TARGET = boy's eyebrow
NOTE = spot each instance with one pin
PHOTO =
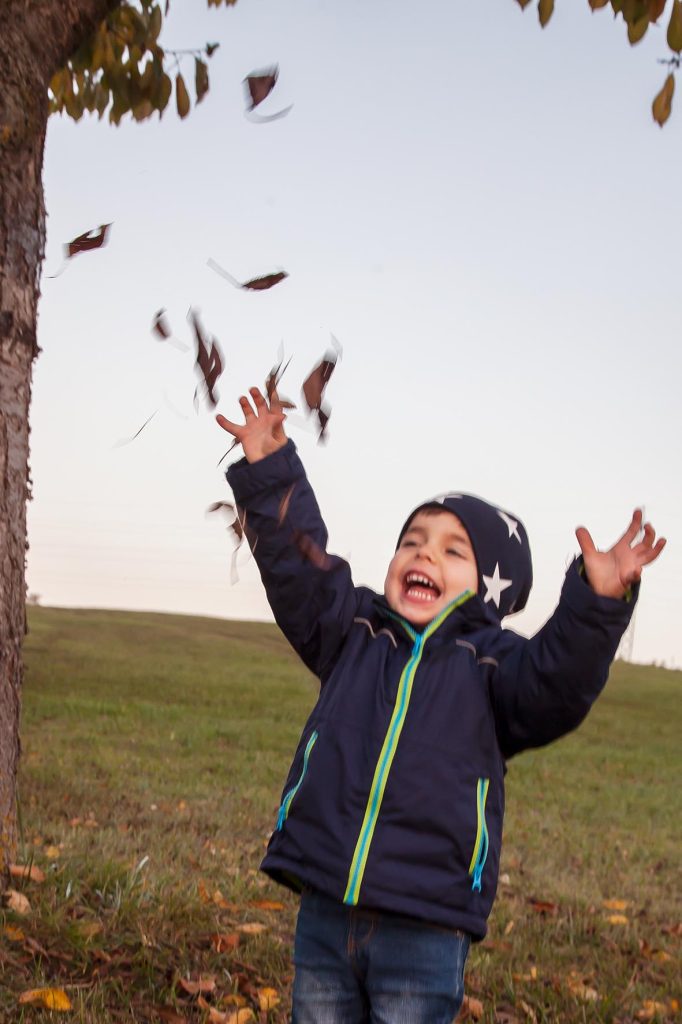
(459, 535)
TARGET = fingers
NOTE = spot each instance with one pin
(634, 527)
(228, 425)
(585, 541)
(246, 408)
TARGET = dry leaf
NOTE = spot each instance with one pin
(204, 983)
(266, 905)
(13, 933)
(48, 998)
(169, 1015)
(531, 975)
(651, 1009)
(31, 871)
(209, 357)
(615, 904)
(224, 942)
(577, 987)
(528, 1010)
(314, 387)
(472, 1009)
(543, 906)
(256, 284)
(17, 902)
(52, 852)
(252, 928)
(617, 919)
(93, 239)
(88, 929)
(240, 1016)
(509, 927)
(267, 998)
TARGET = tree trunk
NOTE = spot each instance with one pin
(36, 40)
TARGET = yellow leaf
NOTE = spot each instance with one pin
(662, 105)
(267, 905)
(17, 902)
(267, 998)
(615, 904)
(617, 919)
(578, 988)
(545, 11)
(52, 852)
(509, 927)
(637, 30)
(252, 928)
(203, 984)
(13, 933)
(651, 1009)
(31, 871)
(674, 35)
(242, 1016)
(49, 998)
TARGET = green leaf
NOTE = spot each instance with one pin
(545, 11)
(181, 96)
(662, 105)
(675, 27)
(200, 78)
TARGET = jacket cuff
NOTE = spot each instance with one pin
(585, 602)
(272, 472)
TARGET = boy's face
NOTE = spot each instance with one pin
(434, 563)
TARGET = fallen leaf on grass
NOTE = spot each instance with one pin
(225, 942)
(615, 904)
(509, 927)
(659, 955)
(472, 1009)
(52, 852)
(528, 1010)
(617, 919)
(17, 902)
(13, 934)
(266, 905)
(531, 975)
(240, 1016)
(88, 929)
(651, 1009)
(252, 928)
(201, 985)
(267, 999)
(49, 998)
(169, 1015)
(543, 906)
(31, 871)
(578, 988)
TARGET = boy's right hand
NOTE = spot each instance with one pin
(263, 430)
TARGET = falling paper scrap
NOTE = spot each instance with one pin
(209, 358)
(258, 86)
(257, 284)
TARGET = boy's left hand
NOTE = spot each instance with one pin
(611, 572)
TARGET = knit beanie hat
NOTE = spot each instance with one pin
(501, 549)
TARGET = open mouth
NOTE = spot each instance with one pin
(418, 587)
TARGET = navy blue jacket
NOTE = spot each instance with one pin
(395, 796)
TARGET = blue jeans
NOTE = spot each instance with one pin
(363, 967)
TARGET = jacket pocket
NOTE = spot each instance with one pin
(288, 797)
(480, 854)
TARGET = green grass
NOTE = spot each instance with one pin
(155, 748)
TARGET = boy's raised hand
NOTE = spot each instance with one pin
(262, 432)
(611, 572)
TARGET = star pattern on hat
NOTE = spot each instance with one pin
(511, 524)
(495, 584)
(442, 498)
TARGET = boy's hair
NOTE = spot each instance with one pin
(500, 544)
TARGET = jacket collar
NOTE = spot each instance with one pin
(463, 615)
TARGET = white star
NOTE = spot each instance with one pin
(495, 585)
(440, 498)
(511, 525)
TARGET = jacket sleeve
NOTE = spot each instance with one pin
(545, 686)
(311, 593)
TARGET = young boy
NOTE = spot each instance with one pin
(391, 818)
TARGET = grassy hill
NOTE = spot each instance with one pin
(155, 748)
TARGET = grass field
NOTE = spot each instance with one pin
(154, 751)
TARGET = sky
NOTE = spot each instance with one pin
(485, 216)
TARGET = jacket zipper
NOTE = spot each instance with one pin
(390, 745)
(480, 854)
(289, 796)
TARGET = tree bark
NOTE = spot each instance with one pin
(37, 38)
